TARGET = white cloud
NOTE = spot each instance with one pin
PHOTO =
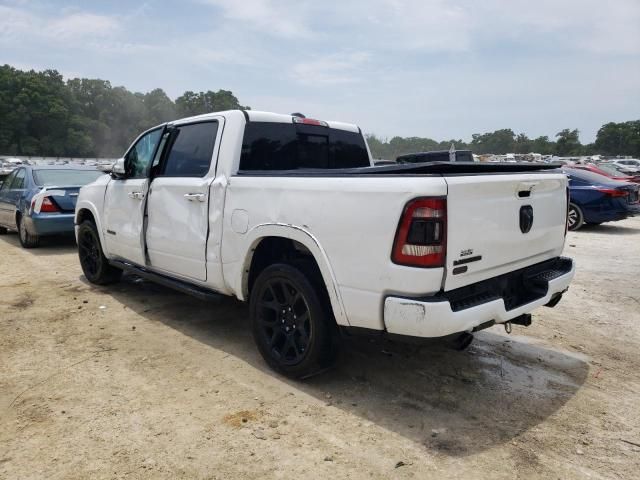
(274, 17)
(19, 25)
(593, 25)
(335, 69)
(81, 25)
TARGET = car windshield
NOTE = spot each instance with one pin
(62, 177)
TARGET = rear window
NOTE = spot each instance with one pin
(587, 176)
(288, 146)
(64, 177)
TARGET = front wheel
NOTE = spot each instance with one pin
(292, 326)
(575, 217)
(27, 240)
(95, 265)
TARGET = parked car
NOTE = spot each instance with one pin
(39, 201)
(290, 214)
(617, 171)
(630, 164)
(597, 199)
(608, 170)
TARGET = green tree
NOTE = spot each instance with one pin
(191, 103)
(498, 142)
(568, 143)
(619, 139)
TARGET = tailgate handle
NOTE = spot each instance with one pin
(525, 189)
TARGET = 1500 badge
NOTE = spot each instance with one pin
(467, 252)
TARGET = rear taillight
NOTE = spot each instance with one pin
(611, 192)
(421, 236)
(47, 206)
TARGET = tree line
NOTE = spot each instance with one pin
(41, 114)
(612, 139)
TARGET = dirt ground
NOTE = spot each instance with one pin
(137, 381)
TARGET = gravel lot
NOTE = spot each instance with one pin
(138, 381)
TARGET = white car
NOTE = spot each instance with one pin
(289, 214)
(629, 164)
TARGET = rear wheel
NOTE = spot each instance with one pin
(95, 265)
(3, 231)
(575, 217)
(292, 326)
(27, 240)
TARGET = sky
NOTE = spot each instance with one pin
(428, 68)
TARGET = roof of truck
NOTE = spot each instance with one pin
(258, 116)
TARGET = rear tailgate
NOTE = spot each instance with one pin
(488, 219)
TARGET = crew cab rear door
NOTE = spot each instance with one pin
(498, 223)
(178, 202)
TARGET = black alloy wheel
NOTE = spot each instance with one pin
(88, 252)
(292, 322)
(284, 319)
(95, 265)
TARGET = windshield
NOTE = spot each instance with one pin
(65, 177)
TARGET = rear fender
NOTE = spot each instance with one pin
(305, 238)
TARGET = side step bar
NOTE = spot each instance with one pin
(179, 285)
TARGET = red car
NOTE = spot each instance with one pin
(609, 171)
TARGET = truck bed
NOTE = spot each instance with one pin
(431, 168)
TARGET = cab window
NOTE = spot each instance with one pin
(6, 185)
(191, 149)
(18, 181)
(138, 159)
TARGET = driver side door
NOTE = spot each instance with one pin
(125, 199)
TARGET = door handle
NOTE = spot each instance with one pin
(136, 195)
(194, 196)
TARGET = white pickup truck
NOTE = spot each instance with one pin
(290, 214)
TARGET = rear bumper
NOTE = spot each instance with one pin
(499, 299)
(50, 223)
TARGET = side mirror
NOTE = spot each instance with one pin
(118, 170)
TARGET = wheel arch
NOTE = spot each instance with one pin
(302, 242)
(88, 211)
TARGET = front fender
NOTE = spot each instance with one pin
(88, 205)
(304, 237)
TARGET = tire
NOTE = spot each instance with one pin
(95, 266)
(292, 322)
(576, 217)
(27, 240)
(3, 231)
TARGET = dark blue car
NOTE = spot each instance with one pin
(40, 200)
(597, 199)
